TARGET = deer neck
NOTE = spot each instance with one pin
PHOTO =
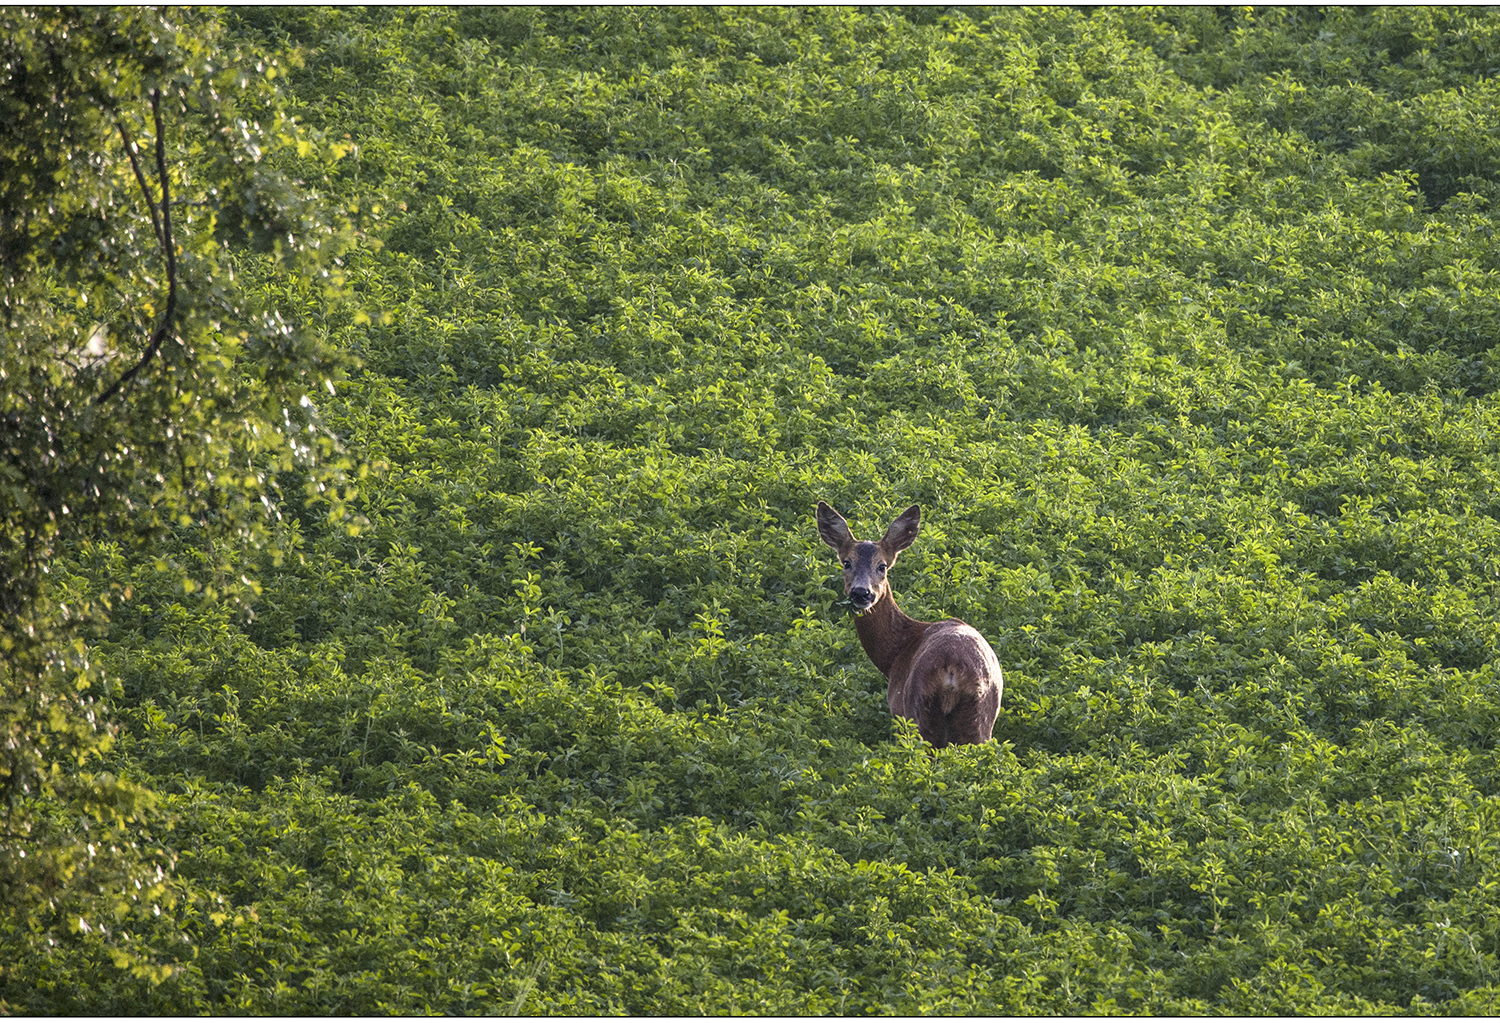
(886, 632)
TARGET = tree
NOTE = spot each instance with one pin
(156, 245)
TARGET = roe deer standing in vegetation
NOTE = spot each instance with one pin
(942, 675)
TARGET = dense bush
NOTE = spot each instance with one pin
(1179, 324)
(157, 207)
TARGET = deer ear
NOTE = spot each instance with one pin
(903, 531)
(833, 529)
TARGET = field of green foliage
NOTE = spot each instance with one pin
(1183, 327)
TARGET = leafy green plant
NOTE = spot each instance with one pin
(157, 370)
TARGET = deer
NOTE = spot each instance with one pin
(942, 675)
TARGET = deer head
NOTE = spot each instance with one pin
(866, 563)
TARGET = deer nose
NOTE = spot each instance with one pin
(861, 596)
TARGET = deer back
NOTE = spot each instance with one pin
(942, 675)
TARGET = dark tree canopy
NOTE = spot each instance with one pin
(150, 381)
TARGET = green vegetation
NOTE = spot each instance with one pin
(1181, 326)
(152, 382)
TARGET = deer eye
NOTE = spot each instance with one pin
(846, 564)
(882, 570)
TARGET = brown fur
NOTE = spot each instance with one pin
(942, 675)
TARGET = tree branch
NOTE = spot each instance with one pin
(140, 178)
(165, 237)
